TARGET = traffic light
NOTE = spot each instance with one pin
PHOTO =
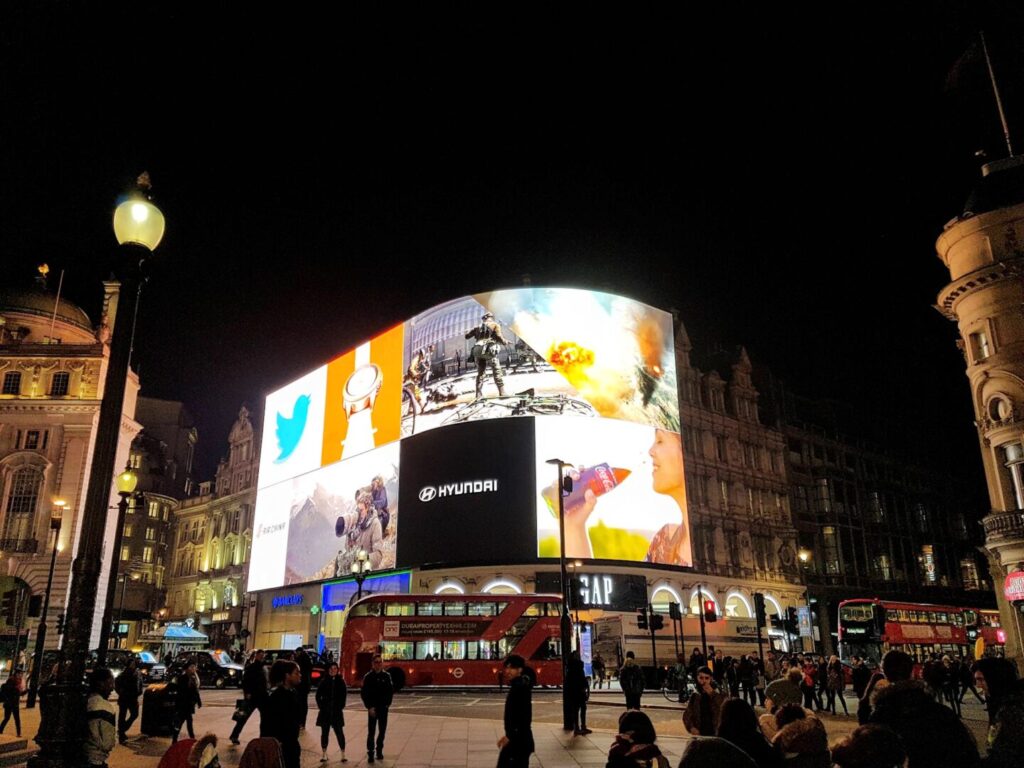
(791, 624)
(641, 619)
(657, 621)
(60, 623)
(759, 609)
(7, 605)
(710, 612)
(673, 612)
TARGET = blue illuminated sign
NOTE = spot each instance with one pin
(336, 595)
(287, 600)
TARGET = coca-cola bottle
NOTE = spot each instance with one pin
(599, 478)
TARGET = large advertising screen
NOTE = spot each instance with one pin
(595, 373)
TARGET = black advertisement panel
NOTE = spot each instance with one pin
(607, 591)
(469, 492)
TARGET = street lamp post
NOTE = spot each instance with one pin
(361, 569)
(134, 576)
(126, 483)
(139, 227)
(574, 599)
(568, 715)
(37, 659)
(804, 556)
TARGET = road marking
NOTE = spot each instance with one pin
(471, 703)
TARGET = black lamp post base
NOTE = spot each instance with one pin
(62, 727)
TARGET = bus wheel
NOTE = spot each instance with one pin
(397, 677)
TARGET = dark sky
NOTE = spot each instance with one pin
(779, 176)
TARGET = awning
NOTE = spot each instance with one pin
(175, 634)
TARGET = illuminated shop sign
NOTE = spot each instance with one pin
(607, 591)
(286, 601)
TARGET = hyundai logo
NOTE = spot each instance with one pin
(427, 493)
(430, 492)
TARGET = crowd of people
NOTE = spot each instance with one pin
(904, 720)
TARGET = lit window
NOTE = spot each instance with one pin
(969, 574)
(12, 383)
(150, 533)
(154, 509)
(126, 554)
(147, 554)
(32, 440)
(127, 530)
(927, 560)
(980, 348)
(21, 503)
(59, 384)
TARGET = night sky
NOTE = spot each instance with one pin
(779, 176)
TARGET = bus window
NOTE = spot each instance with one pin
(957, 619)
(399, 609)
(892, 615)
(454, 649)
(367, 609)
(535, 609)
(502, 606)
(554, 609)
(856, 612)
(425, 650)
(481, 609)
(429, 609)
(933, 618)
(454, 609)
(942, 618)
(970, 617)
(481, 649)
(396, 651)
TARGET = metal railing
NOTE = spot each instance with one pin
(1004, 524)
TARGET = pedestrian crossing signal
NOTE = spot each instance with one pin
(710, 611)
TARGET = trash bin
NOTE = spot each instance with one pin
(158, 702)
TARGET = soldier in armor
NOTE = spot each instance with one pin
(488, 343)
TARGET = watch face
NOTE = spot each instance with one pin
(364, 383)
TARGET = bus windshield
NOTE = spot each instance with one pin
(857, 612)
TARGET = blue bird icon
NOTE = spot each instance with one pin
(289, 431)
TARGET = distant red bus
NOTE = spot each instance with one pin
(869, 627)
(452, 639)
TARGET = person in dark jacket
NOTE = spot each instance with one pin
(631, 680)
(279, 718)
(859, 676)
(254, 690)
(704, 710)
(577, 687)
(869, 746)
(186, 700)
(634, 745)
(306, 669)
(517, 744)
(11, 692)
(1004, 696)
(738, 724)
(331, 695)
(931, 733)
(127, 687)
(377, 692)
(801, 741)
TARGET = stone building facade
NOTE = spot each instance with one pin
(983, 248)
(212, 540)
(53, 364)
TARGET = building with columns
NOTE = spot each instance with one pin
(53, 365)
(211, 542)
(983, 248)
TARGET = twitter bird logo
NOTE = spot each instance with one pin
(289, 431)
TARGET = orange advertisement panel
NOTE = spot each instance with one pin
(364, 395)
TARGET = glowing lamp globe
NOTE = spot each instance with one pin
(126, 482)
(138, 221)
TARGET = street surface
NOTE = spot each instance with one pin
(459, 730)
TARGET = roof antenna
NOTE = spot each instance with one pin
(995, 90)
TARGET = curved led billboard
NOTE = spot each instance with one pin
(452, 417)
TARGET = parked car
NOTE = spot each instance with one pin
(215, 668)
(151, 668)
(319, 668)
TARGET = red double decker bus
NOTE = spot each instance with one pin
(452, 639)
(870, 627)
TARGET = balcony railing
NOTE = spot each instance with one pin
(1004, 525)
(19, 546)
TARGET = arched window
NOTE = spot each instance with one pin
(736, 606)
(663, 595)
(696, 607)
(20, 510)
(502, 587)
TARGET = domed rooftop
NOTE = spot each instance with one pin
(1001, 186)
(36, 301)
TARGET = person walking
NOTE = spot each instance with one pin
(101, 719)
(631, 680)
(577, 688)
(254, 691)
(597, 665)
(517, 744)
(331, 695)
(128, 688)
(859, 676)
(746, 676)
(836, 685)
(186, 701)
(11, 692)
(279, 717)
(306, 668)
(703, 711)
(377, 692)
